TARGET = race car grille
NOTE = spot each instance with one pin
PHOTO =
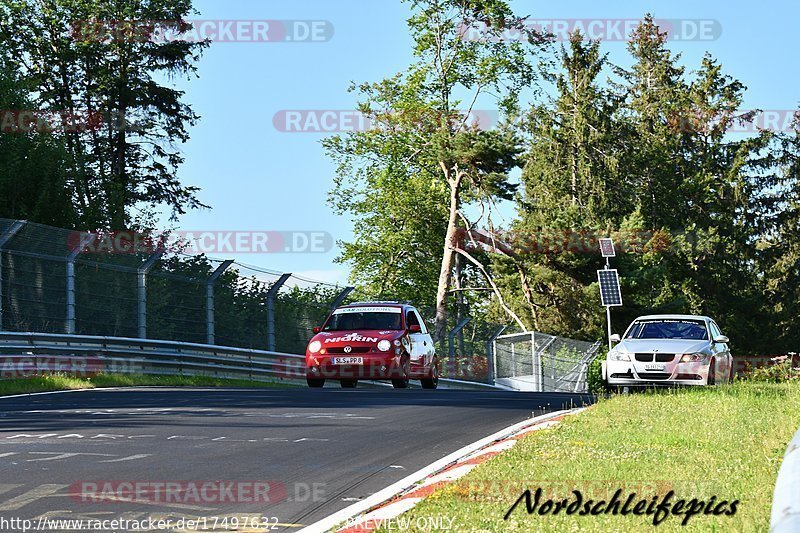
(644, 357)
(664, 357)
(654, 375)
(355, 349)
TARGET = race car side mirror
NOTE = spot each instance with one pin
(615, 337)
(415, 328)
(316, 329)
(721, 339)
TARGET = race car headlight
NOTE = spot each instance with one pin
(692, 357)
(384, 345)
(618, 356)
(314, 346)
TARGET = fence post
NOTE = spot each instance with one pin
(212, 279)
(271, 293)
(341, 296)
(491, 347)
(73, 254)
(451, 347)
(141, 284)
(4, 238)
(513, 361)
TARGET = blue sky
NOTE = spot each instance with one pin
(258, 178)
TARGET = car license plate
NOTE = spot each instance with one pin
(654, 367)
(348, 360)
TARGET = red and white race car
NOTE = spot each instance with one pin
(375, 341)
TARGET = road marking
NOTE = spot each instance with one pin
(305, 439)
(7, 454)
(65, 455)
(129, 458)
(31, 496)
(91, 496)
(5, 488)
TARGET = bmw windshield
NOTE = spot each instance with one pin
(668, 329)
(347, 320)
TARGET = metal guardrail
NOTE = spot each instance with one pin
(786, 499)
(24, 354)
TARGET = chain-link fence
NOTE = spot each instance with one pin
(538, 362)
(51, 281)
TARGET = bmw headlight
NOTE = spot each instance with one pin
(618, 356)
(314, 346)
(384, 345)
(692, 357)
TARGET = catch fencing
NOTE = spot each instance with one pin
(534, 361)
(51, 283)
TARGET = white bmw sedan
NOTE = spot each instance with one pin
(669, 350)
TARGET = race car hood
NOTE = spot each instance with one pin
(359, 337)
(662, 346)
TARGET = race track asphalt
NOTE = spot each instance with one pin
(311, 452)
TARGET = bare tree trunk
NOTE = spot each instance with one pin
(446, 271)
(458, 285)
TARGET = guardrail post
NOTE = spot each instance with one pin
(491, 346)
(4, 238)
(212, 279)
(451, 347)
(341, 296)
(73, 254)
(271, 294)
(141, 285)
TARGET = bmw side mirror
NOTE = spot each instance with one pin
(721, 339)
(316, 329)
(615, 337)
(415, 328)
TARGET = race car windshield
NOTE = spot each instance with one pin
(668, 329)
(370, 320)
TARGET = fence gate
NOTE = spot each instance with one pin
(533, 361)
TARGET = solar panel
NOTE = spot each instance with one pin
(610, 293)
(607, 248)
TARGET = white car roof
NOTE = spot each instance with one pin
(675, 317)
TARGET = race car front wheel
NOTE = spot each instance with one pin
(315, 383)
(402, 381)
(432, 381)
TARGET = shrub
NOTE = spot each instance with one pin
(594, 376)
(781, 370)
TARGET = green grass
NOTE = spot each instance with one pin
(55, 382)
(726, 442)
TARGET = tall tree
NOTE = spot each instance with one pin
(90, 58)
(423, 127)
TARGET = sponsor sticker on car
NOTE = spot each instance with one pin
(364, 309)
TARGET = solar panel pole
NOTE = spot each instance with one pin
(607, 251)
